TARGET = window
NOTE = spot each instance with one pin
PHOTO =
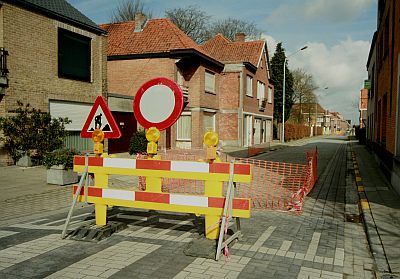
(208, 122)
(210, 82)
(260, 90)
(184, 127)
(269, 95)
(249, 86)
(74, 55)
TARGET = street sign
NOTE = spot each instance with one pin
(367, 84)
(101, 118)
(158, 103)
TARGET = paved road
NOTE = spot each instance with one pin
(319, 243)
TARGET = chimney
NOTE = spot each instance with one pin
(240, 37)
(140, 21)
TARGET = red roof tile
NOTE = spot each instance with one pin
(157, 36)
(226, 51)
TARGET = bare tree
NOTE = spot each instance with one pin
(229, 27)
(191, 20)
(303, 89)
(127, 9)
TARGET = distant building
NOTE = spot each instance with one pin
(362, 107)
(52, 57)
(313, 115)
(247, 93)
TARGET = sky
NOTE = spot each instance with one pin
(337, 34)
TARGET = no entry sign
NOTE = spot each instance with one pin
(158, 103)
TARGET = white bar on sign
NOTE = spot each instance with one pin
(119, 163)
(119, 194)
(189, 166)
(188, 200)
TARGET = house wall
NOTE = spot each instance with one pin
(251, 103)
(31, 40)
(121, 81)
(229, 108)
(371, 67)
(233, 106)
(386, 93)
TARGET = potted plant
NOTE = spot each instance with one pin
(59, 165)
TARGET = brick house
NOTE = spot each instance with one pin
(245, 116)
(383, 71)
(312, 115)
(362, 107)
(371, 68)
(56, 61)
(144, 49)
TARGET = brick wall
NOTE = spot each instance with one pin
(31, 40)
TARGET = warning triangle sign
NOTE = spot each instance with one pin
(100, 117)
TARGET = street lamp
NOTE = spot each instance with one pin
(284, 92)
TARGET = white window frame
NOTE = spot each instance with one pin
(249, 86)
(184, 114)
(260, 90)
(212, 115)
(269, 95)
(209, 82)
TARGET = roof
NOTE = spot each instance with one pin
(227, 51)
(60, 10)
(159, 36)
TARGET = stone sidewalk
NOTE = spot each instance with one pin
(380, 205)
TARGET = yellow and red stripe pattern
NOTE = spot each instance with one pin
(165, 201)
(163, 168)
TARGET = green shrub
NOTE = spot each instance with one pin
(31, 131)
(138, 143)
(64, 156)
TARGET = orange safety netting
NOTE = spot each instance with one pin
(274, 185)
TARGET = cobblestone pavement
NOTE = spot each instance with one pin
(319, 243)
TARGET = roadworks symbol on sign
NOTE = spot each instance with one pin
(101, 118)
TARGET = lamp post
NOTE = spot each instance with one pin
(284, 92)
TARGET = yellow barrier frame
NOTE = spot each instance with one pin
(213, 187)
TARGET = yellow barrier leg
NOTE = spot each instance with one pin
(101, 181)
(101, 214)
(212, 226)
(153, 184)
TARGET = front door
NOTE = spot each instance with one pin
(257, 131)
(127, 125)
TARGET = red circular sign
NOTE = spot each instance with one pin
(158, 103)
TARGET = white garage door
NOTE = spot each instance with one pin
(76, 112)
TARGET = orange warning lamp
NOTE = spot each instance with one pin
(98, 137)
(152, 135)
(211, 140)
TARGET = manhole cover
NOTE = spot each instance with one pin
(390, 276)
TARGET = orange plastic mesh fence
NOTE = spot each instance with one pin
(274, 185)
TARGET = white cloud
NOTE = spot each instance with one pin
(341, 68)
(326, 10)
(271, 43)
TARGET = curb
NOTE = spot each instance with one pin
(373, 236)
